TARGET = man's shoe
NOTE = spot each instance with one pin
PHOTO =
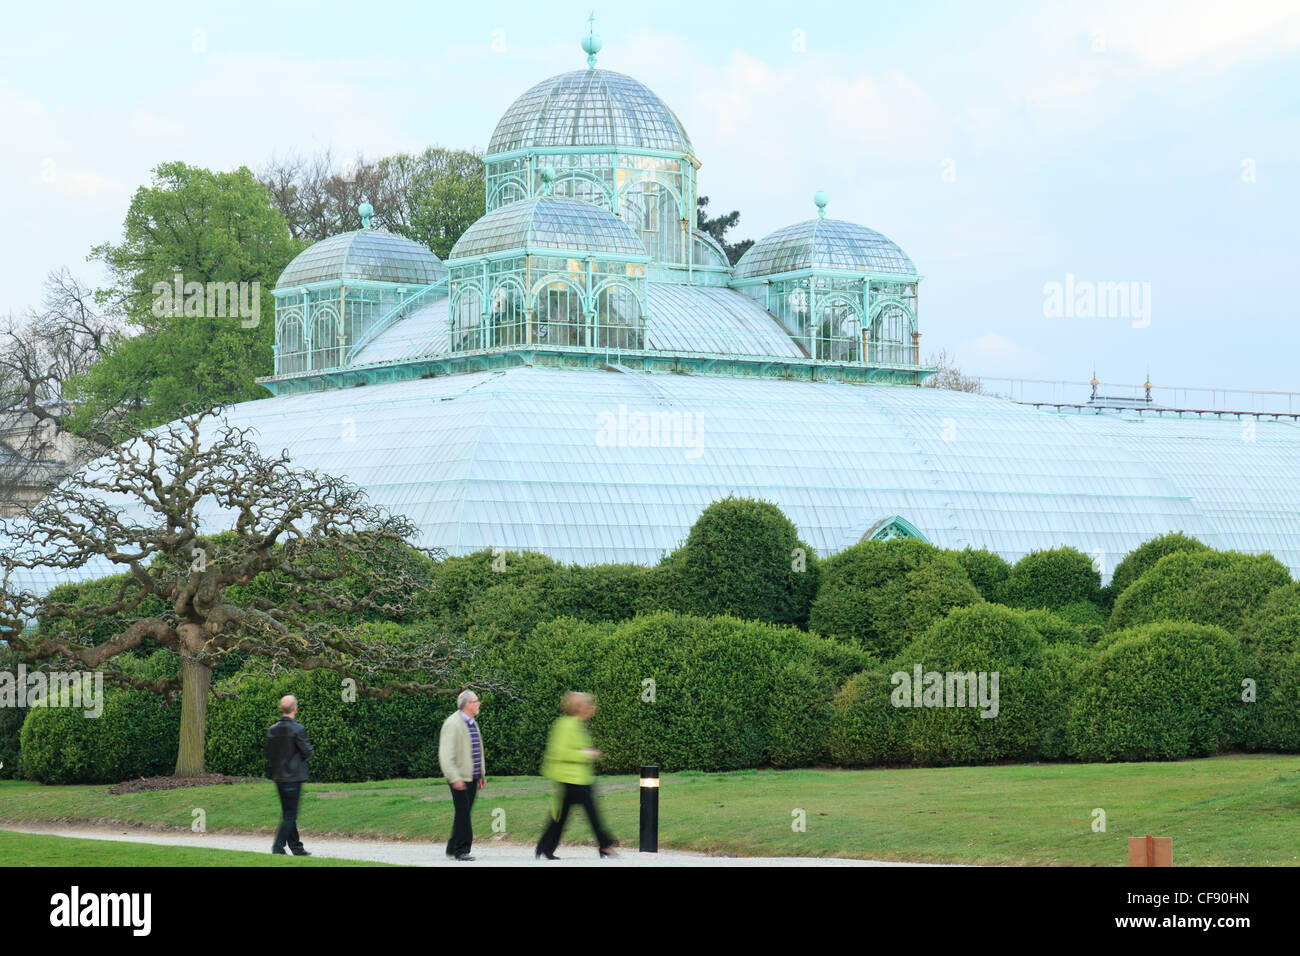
(464, 858)
(278, 849)
(301, 852)
(537, 855)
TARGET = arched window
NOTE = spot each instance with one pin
(465, 312)
(561, 313)
(618, 317)
(326, 338)
(891, 336)
(291, 343)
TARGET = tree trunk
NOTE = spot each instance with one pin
(196, 679)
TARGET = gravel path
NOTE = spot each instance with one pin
(487, 852)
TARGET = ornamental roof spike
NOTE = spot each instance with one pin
(591, 42)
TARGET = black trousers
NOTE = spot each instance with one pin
(574, 794)
(290, 793)
(462, 833)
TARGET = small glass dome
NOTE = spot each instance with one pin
(824, 244)
(367, 254)
(590, 108)
(548, 222)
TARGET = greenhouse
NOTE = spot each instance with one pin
(587, 372)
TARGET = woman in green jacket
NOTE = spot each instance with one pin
(568, 761)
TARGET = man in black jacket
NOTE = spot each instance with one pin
(287, 748)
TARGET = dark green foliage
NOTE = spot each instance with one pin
(1270, 639)
(1055, 628)
(1206, 587)
(1056, 682)
(882, 594)
(11, 719)
(744, 558)
(866, 729)
(1160, 692)
(719, 702)
(135, 736)
(986, 570)
(505, 595)
(988, 639)
(1051, 579)
(1144, 557)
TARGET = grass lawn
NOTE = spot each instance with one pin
(25, 849)
(1237, 809)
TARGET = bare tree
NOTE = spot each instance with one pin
(39, 355)
(950, 376)
(320, 553)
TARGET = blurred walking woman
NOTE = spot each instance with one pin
(569, 762)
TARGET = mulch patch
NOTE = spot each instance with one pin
(147, 784)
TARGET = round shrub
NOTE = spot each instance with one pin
(1160, 692)
(954, 716)
(1206, 587)
(136, 735)
(743, 558)
(800, 712)
(986, 570)
(514, 607)
(1144, 557)
(1051, 579)
(865, 729)
(882, 594)
(697, 693)
(1270, 639)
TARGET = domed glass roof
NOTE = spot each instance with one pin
(364, 254)
(590, 108)
(548, 222)
(823, 244)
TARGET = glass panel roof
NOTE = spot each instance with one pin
(823, 244)
(551, 222)
(364, 254)
(519, 459)
(589, 108)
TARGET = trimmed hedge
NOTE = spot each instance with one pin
(1205, 587)
(1270, 639)
(1144, 557)
(865, 729)
(983, 639)
(1052, 579)
(135, 736)
(743, 558)
(721, 697)
(11, 720)
(1160, 692)
(986, 570)
(883, 594)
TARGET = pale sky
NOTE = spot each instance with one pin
(1005, 147)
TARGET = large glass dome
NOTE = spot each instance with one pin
(548, 222)
(590, 108)
(824, 244)
(366, 254)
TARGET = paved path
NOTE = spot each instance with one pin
(488, 852)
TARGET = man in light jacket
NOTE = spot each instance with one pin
(460, 754)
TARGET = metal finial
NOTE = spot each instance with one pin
(366, 211)
(820, 198)
(591, 42)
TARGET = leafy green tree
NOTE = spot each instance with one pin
(431, 197)
(205, 227)
(719, 226)
(1144, 557)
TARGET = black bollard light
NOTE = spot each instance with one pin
(649, 809)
